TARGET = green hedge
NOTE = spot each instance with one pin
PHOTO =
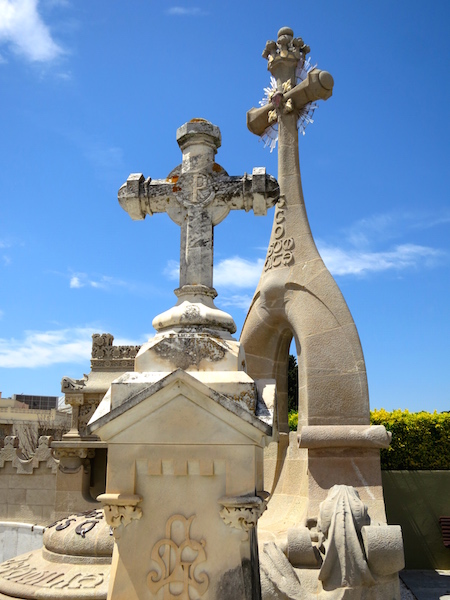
(420, 441)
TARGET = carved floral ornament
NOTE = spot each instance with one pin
(243, 512)
(120, 510)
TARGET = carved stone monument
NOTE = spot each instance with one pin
(185, 442)
(186, 421)
(327, 480)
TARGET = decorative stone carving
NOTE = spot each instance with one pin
(341, 518)
(107, 356)
(177, 562)
(22, 572)
(197, 195)
(12, 453)
(242, 512)
(72, 459)
(120, 510)
(72, 385)
(279, 581)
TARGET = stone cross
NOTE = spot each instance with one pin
(289, 98)
(197, 195)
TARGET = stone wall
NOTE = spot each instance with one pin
(27, 486)
(415, 500)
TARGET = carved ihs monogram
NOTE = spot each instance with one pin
(178, 557)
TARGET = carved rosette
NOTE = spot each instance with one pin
(120, 510)
(243, 512)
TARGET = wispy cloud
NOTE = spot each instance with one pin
(356, 262)
(103, 282)
(358, 251)
(45, 348)
(183, 11)
(23, 30)
(241, 301)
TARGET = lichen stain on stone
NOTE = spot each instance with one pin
(187, 351)
(245, 399)
(233, 583)
(217, 168)
(198, 121)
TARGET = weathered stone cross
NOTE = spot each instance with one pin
(197, 195)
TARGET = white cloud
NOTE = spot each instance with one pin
(238, 272)
(234, 272)
(75, 282)
(23, 29)
(357, 262)
(45, 348)
(181, 11)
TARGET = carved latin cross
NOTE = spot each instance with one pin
(198, 195)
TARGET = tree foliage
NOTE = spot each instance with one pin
(292, 384)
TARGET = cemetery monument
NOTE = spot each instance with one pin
(207, 495)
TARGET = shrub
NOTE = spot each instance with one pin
(420, 441)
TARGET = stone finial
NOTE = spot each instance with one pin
(285, 49)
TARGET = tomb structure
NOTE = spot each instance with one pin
(185, 442)
(331, 467)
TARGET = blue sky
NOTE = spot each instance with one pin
(91, 91)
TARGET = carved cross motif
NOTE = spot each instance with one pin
(198, 195)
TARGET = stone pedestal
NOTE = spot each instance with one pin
(184, 488)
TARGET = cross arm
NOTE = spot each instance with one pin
(318, 85)
(140, 197)
(258, 191)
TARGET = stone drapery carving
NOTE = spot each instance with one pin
(341, 518)
(178, 559)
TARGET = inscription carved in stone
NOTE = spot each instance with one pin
(21, 571)
(178, 557)
(280, 253)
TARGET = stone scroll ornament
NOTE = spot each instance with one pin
(178, 562)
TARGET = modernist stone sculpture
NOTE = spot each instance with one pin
(297, 298)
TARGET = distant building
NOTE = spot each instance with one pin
(29, 417)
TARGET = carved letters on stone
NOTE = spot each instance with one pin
(21, 571)
(178, 557)
(279, 253)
